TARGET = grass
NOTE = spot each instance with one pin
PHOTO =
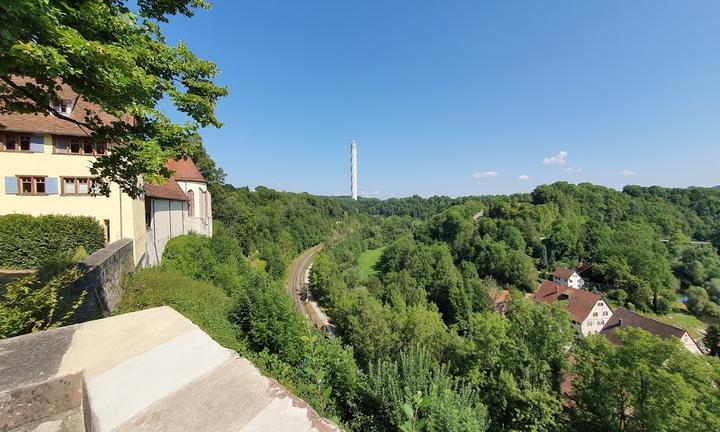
(367, 261)
(202, 303)
(690, 323)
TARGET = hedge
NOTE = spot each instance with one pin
(27, 241)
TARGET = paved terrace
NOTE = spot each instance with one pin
(149, 370)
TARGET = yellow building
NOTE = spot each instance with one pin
(45, 168)
(45, 164)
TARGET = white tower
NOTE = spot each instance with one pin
(353, 170)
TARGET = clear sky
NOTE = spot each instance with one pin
(463, 97)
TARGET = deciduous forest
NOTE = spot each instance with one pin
(421, 345)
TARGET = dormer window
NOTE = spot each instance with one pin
(64, 107)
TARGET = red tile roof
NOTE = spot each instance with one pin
(623, 318)
(583, 266)
(563, 273)
(184, 169)
(49, 124)
(501, 296)
(169, 191)
(579, 303)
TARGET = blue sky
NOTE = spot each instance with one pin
(463, 97)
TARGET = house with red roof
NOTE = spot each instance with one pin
(568, 277)
(588, 312)
(45, 164)
(623, 318)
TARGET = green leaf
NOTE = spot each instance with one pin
(408, 410)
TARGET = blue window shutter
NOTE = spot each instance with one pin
(51, 185)
(11, 185)
(37, 144)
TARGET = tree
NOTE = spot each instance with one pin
(697, 299)
(647, 383)
(119, 60)
(712, 340)
(448, 405)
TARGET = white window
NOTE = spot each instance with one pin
(595, 314)
(600, 303)
(76, 185)
(83, 187)
(605, 313)
(69, 186)
(64, 107)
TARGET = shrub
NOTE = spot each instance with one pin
(27, 241)
(201, 302)
(30, 305)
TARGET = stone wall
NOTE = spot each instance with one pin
(103, 275)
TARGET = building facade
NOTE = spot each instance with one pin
(568, 277)
(180, 206)
(45, 164)
(588, 312)
(45, 168)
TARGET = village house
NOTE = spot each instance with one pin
(45, 164)
(623, 318)
(568, 277)
(588, 312)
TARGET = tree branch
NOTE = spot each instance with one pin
(52, 110)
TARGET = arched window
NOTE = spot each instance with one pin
(206, 213)
(191, 208)
(201, 200)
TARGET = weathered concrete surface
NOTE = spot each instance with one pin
(31, 406)
(155, 370)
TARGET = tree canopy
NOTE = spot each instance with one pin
(117, 58)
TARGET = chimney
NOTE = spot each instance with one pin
(620, 322)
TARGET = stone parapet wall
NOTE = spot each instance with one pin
(104, 273)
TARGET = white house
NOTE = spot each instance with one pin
(568, 277)
(180, 206)
(589, 313)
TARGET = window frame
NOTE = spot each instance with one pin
(18, 145)
(148, 214)
(191, 199)
(33, 185)
(82, 142)
(90, 182)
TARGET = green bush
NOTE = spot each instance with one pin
(28, 305)
(27, 241)
(201, 302)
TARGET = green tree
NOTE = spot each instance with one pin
(646, 384)
(115, 58)
(712, 340)
(697, 299)
(447, 405)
